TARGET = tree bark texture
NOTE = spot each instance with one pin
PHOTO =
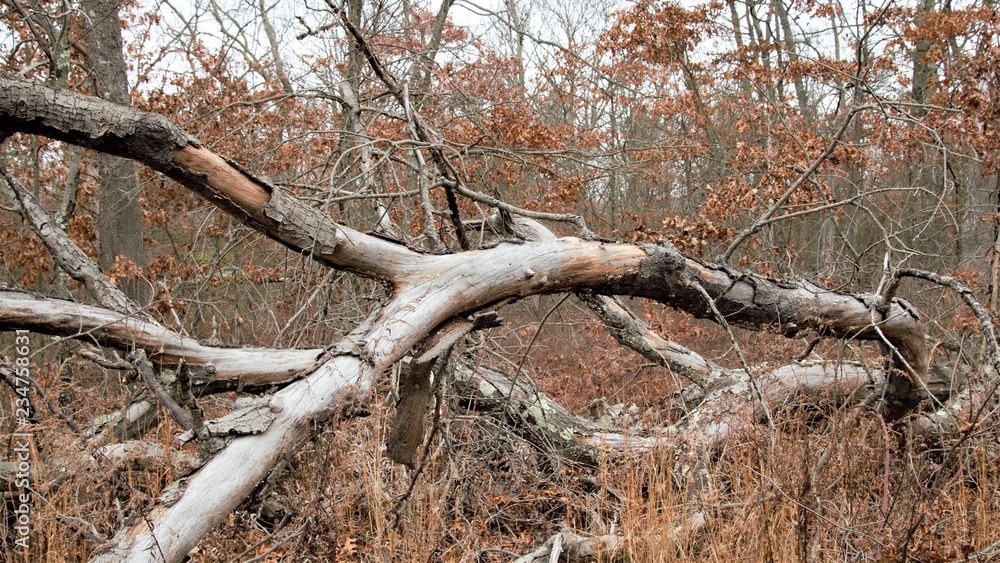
(121, 222)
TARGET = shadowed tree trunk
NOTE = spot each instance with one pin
(923, 69)
(121, 224)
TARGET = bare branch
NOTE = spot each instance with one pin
(154, 141)
(632, 332)
(10, 377)
(66, 253)
(138, 359)
(721, 319)
(780, 202)
(415, 386)
(966, 294)
(210, 365)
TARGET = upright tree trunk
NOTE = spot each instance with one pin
(120, 230)
(433, 45)
(995, 257)
(517, 20)
(801, 94)
(923, 70)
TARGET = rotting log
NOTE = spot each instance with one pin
(545, 423)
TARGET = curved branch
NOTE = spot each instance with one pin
(93, 123)
(182, 417)
(963, 291)
(210, 365)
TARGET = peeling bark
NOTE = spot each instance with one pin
(152, 140)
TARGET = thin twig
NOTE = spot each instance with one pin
(10, 377)
(445, 168)
(760, 221)
(416, 123)
(524, 357)
(100, 360)
(264, 556)
(77, 524)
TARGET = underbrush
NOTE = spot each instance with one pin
(825, 486)
(841, 488)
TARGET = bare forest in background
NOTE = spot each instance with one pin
(548, 279)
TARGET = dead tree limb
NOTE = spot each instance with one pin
(65, 252)
(210, 366)
(415, 387)
(426, 291)
(574, 548)
(145, 371)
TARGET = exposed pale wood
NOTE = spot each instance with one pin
(131, 422)
(207, 497)
(223, 177)
(152, 140)
(657, 272)
(729, 407)
(572, 547)
(448, 286)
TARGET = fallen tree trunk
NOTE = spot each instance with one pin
(730, 406)
(426, 291)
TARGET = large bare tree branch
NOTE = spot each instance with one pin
(209, 365)
(65, 252)
(148, 138)
(428, 291)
